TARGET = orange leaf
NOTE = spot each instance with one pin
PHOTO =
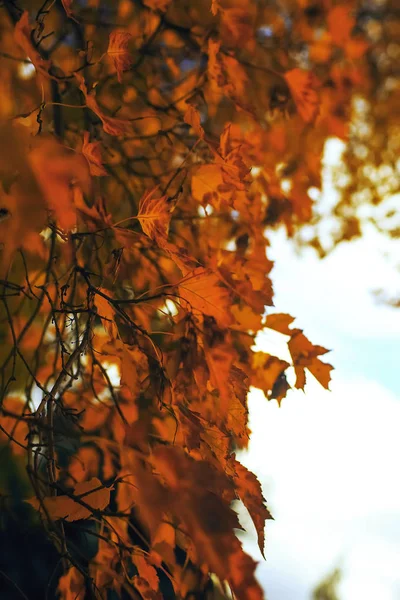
(302, 86)
(250, 493)
(280, 322)
(304, 354)
(119, 52)
(154, 216)
(22, 36)
(199, 501)
(71, 585)
(267, 372)
(92, 152)
(192, 118)
(106, 313)
(111, 125)
(146, 571)
(201, 292)
(340, 23)
(64, 507)
(57, 170)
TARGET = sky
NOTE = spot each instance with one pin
(328, 461)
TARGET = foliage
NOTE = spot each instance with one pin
(146, 147)
(327, 589)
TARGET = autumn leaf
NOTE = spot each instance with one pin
(192, 118)
(22, 205)
(106, 312)
(280, 322)
(303, 85)
(111, 125)
(268, 370)
(201, 292)
(119, 52)
(304, 355)
(154, 216)
(250, 493)
(146, 571)
(340, 23)
(208, 519)
(71, 585)
(89, 496)
(22, 36)
(57, 171)
(92, 152)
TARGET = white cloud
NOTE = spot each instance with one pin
(329, 465)
(335, 294)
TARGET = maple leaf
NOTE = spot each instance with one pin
(89, 496)
(268, 370)
(304, 355)
(280, 322)
(209, 520)
(92, 152)
(154, 216)
(201, 292)
(302, 85)
(111, 125)
(250, 493)
(119, 52)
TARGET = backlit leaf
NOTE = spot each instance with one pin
(201, 292)
(119, 51)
